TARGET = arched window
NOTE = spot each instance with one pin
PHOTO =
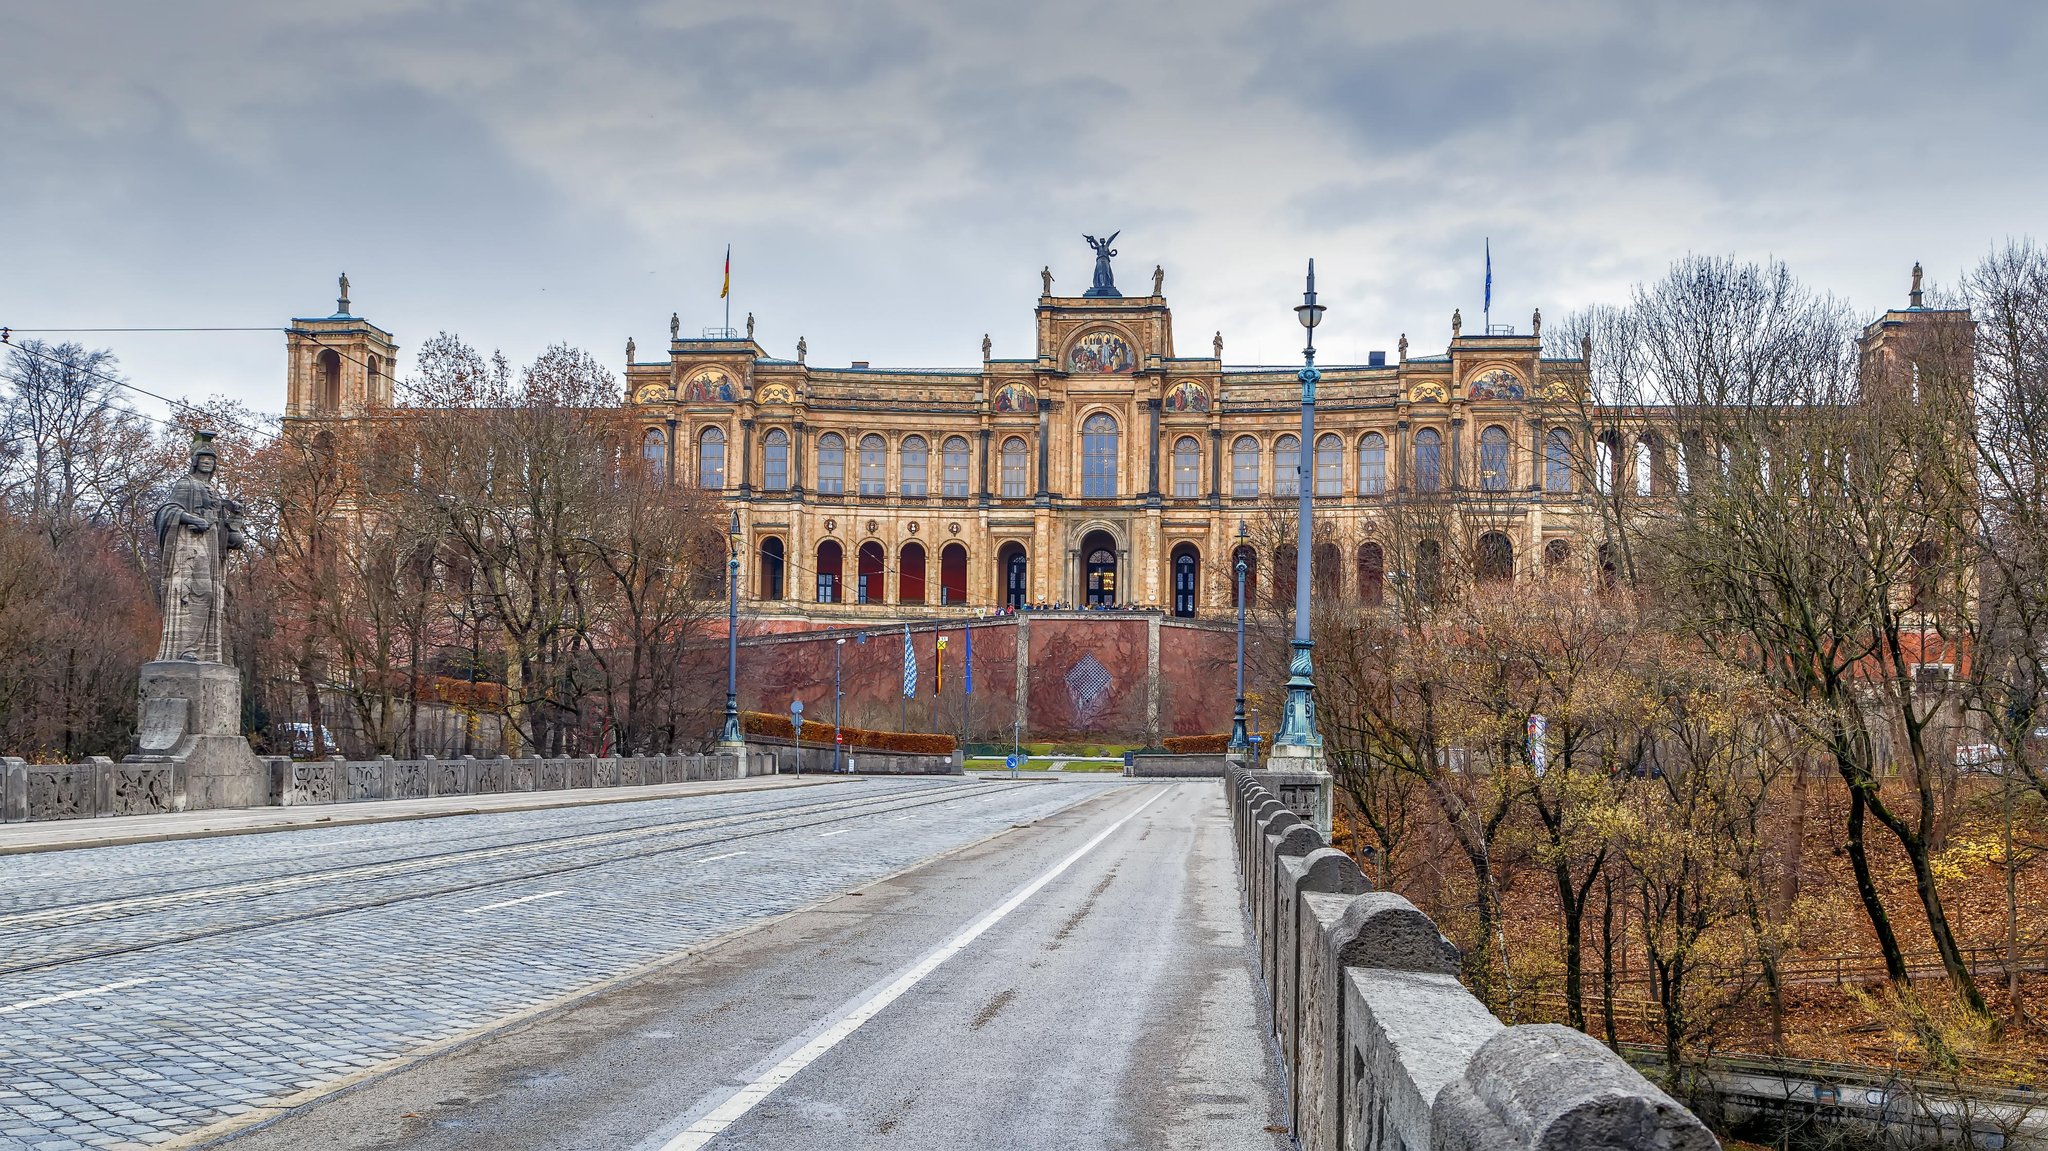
(1557, 461)
(1326, 571)
(1921, 572)
(328, 365)
(654, 454)
(375, 392)
(953, 574)
(1187, 571)
(1098, 457)
(1606, 462)
(771, 567)
(1372, 572)
(870, 565)
(1287, 466)
(775, 460)
(1493, 459)
(1016, 484)
(1244, 467)
(1494, 560)
(1013, 572)
(711, 458)
(874, 465)
(1372, 465)
(830, 557)
(916, 457)
(1285, 576)
(953, 467)
(1429, 460)
(1329, 466)
(1429, 571)
(831, 466)
(1644, 469)
(910, 573)
(1187, 468)
(1557, 556)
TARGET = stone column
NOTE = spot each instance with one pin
(746, 456)
(1457, 447)
(1044, 452)
(1215, 466)
(1152, 470)
(1152, 680)
(799, 457)
(1023, 673)
(981, 467)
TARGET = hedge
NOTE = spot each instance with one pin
(1195, 744)
(906, 742)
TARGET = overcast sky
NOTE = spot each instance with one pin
(891, 176)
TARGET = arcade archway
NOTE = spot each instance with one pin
(1098, 569)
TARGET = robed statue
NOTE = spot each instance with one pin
(196, 528)
(1105, 283)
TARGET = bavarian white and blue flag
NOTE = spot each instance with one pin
(909, 665)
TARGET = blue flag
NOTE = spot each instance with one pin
(909, 665)
(968, 661)
(1488, 307)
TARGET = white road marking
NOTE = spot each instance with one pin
(511, 902)
(81, 993)
(729, 1111)
(830, 834)
(716, 858)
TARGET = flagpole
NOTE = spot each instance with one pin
(1485, 308)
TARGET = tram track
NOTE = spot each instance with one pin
(723, 829)
(346, 859)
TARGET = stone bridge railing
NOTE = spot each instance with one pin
(1385, 1050)
(103, 787)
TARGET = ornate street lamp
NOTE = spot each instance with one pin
(731, 733)
(1297, 745)
(1239, 744)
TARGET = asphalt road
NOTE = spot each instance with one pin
(1010, 964)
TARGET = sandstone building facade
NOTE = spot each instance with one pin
(1107, 469)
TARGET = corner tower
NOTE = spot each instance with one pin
(338, 365)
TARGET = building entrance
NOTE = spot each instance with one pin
(1016, 579)
(1098, 569)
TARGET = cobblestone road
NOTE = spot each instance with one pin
(148, 990)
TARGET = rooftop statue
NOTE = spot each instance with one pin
(629, 351)
(675, 326)
(341, 305)
(750, 325)
(1457, 322)
(1158, 280)
(1045, 275)
(196, 528)
(1105, 283)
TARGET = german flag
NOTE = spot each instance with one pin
(725, 291)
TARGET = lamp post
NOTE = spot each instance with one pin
(1297, 745)
(731, 733)
(1239, 744)
(836, 696)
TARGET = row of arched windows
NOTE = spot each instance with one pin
(1099, 458)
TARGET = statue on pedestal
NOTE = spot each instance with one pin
(190, 713)
(196, 528)
(675, 326)
(1105, 282)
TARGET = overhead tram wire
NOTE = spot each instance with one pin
(891, 565)
(6, 334)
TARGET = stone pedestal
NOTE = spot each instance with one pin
(736, 749)
(1297, 775)
(191, 716)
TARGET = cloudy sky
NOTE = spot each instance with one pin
(891, 175)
